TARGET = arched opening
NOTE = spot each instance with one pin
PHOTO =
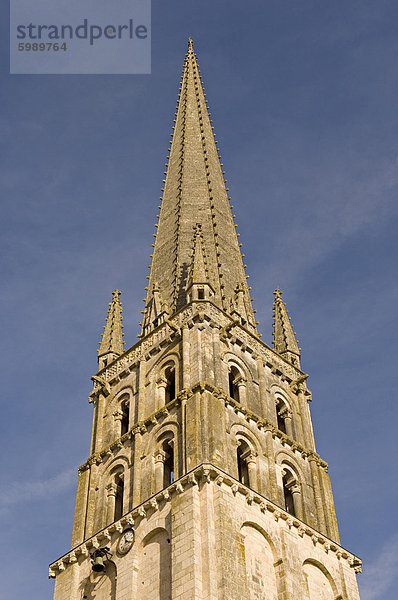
(243, 452)
(168, 465)
(233, 378)
(125, 417)
(292, 492)
(281, 412)
(320, 584)
(154, 567)
(170, 392)
(119, 481)
(259, 560)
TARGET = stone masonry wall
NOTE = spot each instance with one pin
(210, 539)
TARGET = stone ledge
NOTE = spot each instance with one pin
(202, 474)
(202, 386)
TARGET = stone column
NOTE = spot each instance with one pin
(306, 419)
(217, 358)
(141, 389)
(262, 388)
(81, 507)
(94, 427)
(272, 481)
(137, 463)
(99, 425)
(160, 457)
(111, 489)
(251, 462)
(318, 494)
(297, 500)
(331, 513)
(241, 383)
(118, 416)
(186, 379)
(161, 385)
(91, 499)
(287, 415)
(198, 359)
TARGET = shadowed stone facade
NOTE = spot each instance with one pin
(202, 442)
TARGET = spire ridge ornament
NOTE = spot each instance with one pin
(285, 342)
(112, 343)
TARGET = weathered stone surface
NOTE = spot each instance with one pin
(202, 439)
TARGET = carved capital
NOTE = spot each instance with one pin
(240, 381)
(161, 382)
(160, 456)
(118, 415)
(111, 489)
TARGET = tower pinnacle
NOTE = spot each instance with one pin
(112, 344)
(194, 194)
(285, 342)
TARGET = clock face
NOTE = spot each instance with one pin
(126, 541)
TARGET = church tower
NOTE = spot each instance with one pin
(203, 481)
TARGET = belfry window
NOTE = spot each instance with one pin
(243, 469)
(233, 385)
(119, 496)
(170, 375)
(125, 418)
(291, 494)
(168, 465)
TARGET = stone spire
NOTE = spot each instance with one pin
(285, 342)
(112, 344)
(194, 193)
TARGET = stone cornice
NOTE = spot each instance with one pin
(201, 475)
(199, 310)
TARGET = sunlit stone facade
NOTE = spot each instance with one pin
(203, 481)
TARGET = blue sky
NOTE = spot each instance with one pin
(304, 101)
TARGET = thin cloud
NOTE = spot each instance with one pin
(380, 575)
(350, 207)
(22, 492)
